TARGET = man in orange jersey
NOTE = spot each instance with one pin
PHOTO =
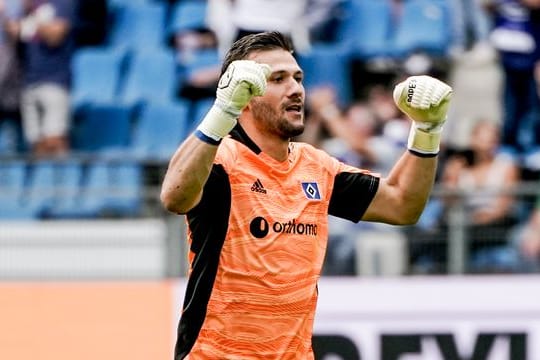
(257, 203)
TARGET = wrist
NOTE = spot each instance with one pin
(216, 125)
(424, 142)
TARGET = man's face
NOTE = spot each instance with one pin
(280, 110)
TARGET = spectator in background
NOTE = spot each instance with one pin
(198, 61)
(482, 177)
(300, 20)
(366, 135)
(322, 18)
(486, 177)
(358, 134)
(516, 36)
(350, 131)
(196, 48)
(45, 33)
(471, 26)
(9, 64)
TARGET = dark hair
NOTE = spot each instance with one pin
(243, 47)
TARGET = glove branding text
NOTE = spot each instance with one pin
(410, 90)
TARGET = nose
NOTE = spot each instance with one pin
(296, 89)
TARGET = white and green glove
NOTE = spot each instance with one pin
(425, 100)
(242, 80)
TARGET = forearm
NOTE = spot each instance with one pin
(186, 175)
(403, 195)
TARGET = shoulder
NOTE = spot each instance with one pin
(322, 159)
(228, 151)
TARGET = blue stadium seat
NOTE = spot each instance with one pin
(115, 4)
(150, 77)
(366, 28)
(103, 128)
(139, 26)
(97, 72)
(425, 26)
(111, 189)
(126, 180)
(12, 187)
(67, 178)
(159, 130)
(328, 65)
(93, 191)
(11, 137)
(41, 187)
(52, 184)
(187, 15)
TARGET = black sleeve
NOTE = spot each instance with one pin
(208, 221)
(352, 195)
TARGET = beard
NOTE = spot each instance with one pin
(269, 119)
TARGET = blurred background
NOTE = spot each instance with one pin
(95, 96)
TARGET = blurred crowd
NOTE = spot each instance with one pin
(490, 55)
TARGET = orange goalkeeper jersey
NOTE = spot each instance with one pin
(257, 244)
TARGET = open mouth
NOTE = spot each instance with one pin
(294, 108)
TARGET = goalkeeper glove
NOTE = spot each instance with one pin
(425, 100)
(242, 80)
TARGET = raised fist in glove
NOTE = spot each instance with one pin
(242, 80)
(425, 100)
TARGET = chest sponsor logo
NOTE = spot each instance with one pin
(260, 227)
(311, 190)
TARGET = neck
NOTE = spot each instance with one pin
(269, 143)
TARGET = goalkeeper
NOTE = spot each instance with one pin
(257, 203)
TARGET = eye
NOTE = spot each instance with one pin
(278, 78)
(299, 78)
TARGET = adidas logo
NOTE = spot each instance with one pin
(258, 187)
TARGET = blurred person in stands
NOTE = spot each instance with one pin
(357, 134)
(516, 36)
(482, 176)
(471, 28)
(198, 61)
(487, 177)
(10, 81)
(257, 203)
(252, 16)
(362, 135)
(45, 33)
(303, 21)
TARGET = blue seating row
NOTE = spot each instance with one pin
(70, 189)
(149, 132)
(106, 75)
(149, 24)
(372, 29)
